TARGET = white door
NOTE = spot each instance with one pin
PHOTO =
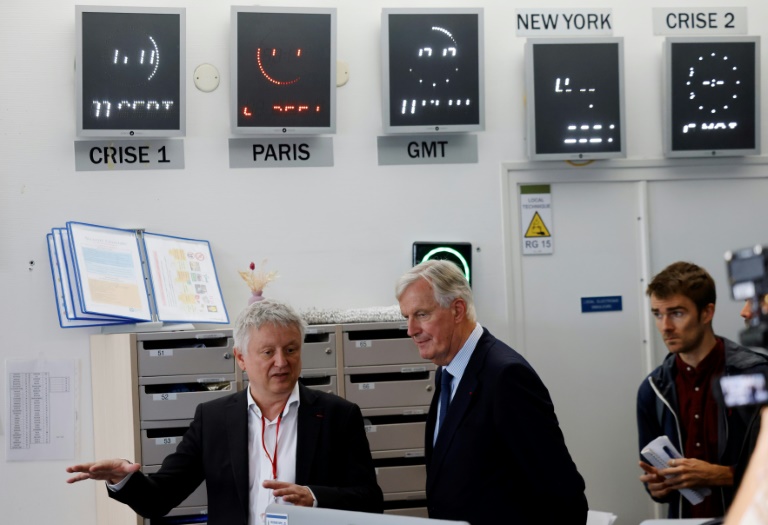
(592, 363)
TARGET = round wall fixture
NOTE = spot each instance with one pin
(206, 78)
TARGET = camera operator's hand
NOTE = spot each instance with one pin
(689, 473)
(750, 499)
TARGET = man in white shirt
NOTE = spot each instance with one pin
(275, 442)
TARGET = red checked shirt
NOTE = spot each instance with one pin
(698, 419)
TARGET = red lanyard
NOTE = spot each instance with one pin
(272, 459)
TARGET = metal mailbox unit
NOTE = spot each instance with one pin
(320, 360)
(176, 374)
(158, 379)
(386, 377)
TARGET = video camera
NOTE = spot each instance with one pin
(748, 278)
(742, 390)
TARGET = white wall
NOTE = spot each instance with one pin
(338, 236)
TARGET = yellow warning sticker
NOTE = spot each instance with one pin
(537, 228)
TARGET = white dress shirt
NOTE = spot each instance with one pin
(458, 365)
(259, 465)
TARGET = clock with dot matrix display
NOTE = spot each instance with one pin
(283, 70)
(130, 72)
(432, 70)
(575, 93)
(711, 103)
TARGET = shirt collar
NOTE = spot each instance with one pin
(459, 362)
(293, 402)
(712, 363)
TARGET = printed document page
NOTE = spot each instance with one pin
(109, 271)
(41, 410)
(184, 280)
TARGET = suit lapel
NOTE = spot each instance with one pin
(236, 428)
(309, 425)
(461, 403)
(432, 418)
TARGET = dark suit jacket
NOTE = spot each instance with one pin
(500, 456)
(332, 458)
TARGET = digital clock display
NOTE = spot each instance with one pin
(432, 70)
(130, 71)
(711, 106)
(284, 70)
(575, 98)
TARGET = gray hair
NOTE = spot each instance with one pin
(263, 312)
(447, 281)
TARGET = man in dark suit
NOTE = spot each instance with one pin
(276, 441)
(494, 450)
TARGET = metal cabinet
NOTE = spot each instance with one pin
(386, 377)
(320, 359)
(146, 387)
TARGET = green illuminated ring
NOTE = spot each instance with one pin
(452, 252)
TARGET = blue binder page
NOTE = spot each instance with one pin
(108, 271)
(59, 294)
(184, 282)
(69, 289)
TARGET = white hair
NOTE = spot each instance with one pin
(447, 281)
(266, 311)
